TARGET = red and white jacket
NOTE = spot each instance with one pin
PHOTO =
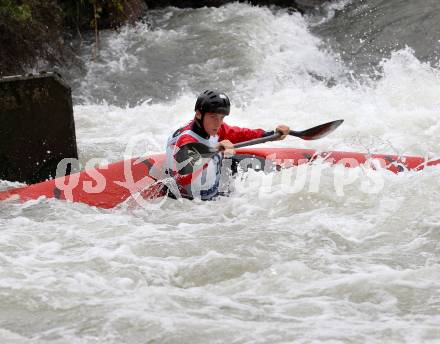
(202, 182)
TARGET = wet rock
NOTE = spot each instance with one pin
(110, 14)
(307, 5)
(130, 11)
(29, 32)
(300, 5)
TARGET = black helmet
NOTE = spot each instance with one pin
(213, 101)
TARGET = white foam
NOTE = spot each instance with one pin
(265, 264)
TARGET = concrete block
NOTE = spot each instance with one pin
(37, 128)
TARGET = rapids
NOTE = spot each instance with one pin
(333, 260)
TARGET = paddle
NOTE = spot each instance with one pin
(197, 150)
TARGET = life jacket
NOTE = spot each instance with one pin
(204, 181)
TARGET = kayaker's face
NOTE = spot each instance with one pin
(212, 122)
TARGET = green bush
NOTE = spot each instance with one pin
(15, 11)
(34, 30)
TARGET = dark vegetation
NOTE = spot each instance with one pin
(36, 30)
(29, 30)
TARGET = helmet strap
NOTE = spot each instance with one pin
(199, 123)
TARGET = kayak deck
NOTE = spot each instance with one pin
(108, 186)
(296, 157)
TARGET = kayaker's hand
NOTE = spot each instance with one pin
(284, 130)
(226, 147)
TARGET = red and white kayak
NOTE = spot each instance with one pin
(108, 186)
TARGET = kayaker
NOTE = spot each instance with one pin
(208, 128)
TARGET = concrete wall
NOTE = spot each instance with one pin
(37, 128)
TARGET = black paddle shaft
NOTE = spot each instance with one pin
(199, 149)
(309, 134)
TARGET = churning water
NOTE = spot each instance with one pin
(268, 264)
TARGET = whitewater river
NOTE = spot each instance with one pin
(269, 264)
